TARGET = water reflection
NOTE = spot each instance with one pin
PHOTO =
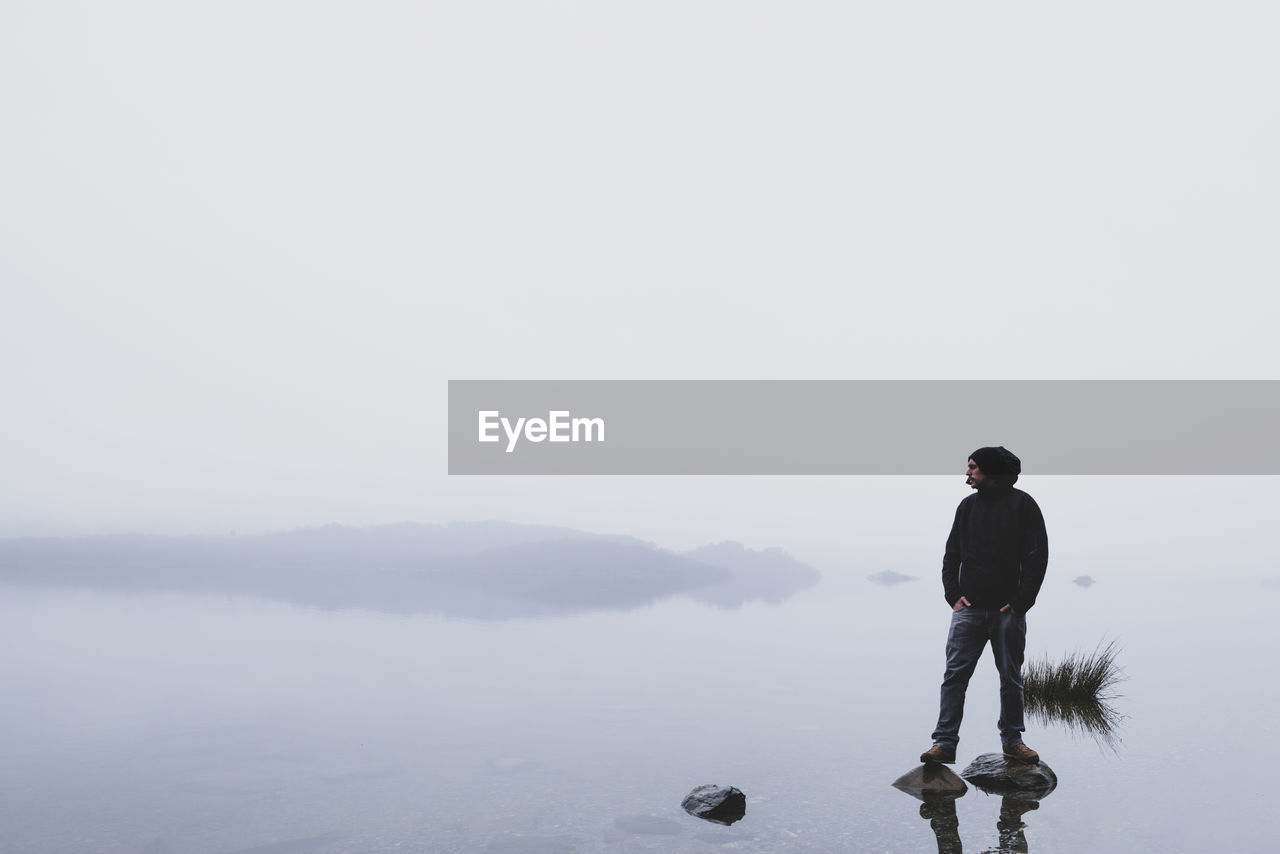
(940, 812)
(889, 578)
(1010, 827)
(1095, 718)
(933, 785)
(489, 570)
(1077, 693)
(765, 576)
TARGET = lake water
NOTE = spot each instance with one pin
(202, 723)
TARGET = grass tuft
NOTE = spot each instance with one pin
(1077, 691)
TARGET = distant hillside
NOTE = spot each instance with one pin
(488, 570)
(770, 575)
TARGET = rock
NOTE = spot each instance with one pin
(889, 578)
(929, 781)
(721, 804)
(992, 772)
(1082, 580)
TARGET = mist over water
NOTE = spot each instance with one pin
(248, 245)
(166, 708)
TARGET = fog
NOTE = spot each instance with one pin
(248, 244)
(300, 692)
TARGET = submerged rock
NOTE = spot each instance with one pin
(721, 804)
(931, 781)
(993, 772)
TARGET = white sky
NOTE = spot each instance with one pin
(245, 245)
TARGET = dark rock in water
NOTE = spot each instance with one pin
(931, 781)
(992, 772)
(1082, 580)
(721, 804)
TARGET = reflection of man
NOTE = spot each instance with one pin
(1010, 825)
(940, 812)
(991, 572)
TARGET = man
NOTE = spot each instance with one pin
(991, 573)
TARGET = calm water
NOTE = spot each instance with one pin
(154, 722)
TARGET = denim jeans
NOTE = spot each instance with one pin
(971, 628)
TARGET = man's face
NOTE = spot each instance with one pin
(974, 476)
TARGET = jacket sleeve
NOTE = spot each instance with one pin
(951, 562)
(1034, 558)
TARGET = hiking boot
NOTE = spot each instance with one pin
(939, 754)
(1022, 753)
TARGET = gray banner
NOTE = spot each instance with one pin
(717, 427)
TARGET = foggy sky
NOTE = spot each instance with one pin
(246, 245)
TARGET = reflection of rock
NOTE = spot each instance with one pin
(936, 786)
(992, 772)
(889, 578)
(721, 804)
(770, 575)
(1082, 580)
(931, 781)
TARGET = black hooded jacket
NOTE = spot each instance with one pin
(997, 551)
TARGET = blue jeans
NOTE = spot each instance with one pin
(971, 628)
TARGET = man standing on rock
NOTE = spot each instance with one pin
(991, 572)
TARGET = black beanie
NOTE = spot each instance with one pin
(998, 461)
